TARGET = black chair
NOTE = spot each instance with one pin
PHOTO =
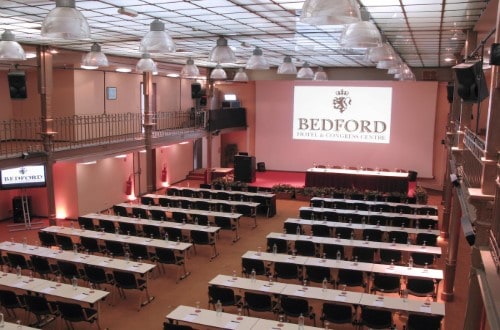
(375, 318)
(427, 238)
(120, 210)
(330, 216)
(44, 311)
(223, 295)
(200, 219)
(223, 195)
(306, 214)
(259, 302)
(158, 215)
(247, 265)
(151, 231)
(281, 245)
(205, 186)
(359, 206)
(107, 226)
(174, 234)
(379, 220)
(14, 260)
(286, 270)
(292, 228)
(139, 212)
(321, 230)
(90, 244)
(400, 237)
(337, 313)
(385, 283)
(147, 200)
(427, 211)
(425, 223)
(203, 205)
(114, 248)
(179, 217)
(248, 211)
(226, 223)
(127, 281)
(188, 192)
(317, 274)
(164, 201)
(400, 222)
(403, 209)
(185, 204)
(11, 301)
(47, 239)
(224, 207)
(138, 251)
(64, 242)
(173, 191)
(350, 278)
(343, 232)
(389, 256)
(374, 235)
(86, 223)
(294, 307)
(127, 228)
(173, 326)
(422, 259)
(96, 275)
(68, 270)
(363, 254)
(199, 237)
(421, 287)
(305, 248)
(73, 313)
(164, 256)
(41, 266)
(423, 322)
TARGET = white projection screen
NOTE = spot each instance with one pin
(407, 108)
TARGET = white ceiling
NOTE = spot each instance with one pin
(419, 30)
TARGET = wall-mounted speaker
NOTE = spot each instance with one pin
(471, 83)
(495, 54)
(450, 91)
(17, 84)
(196, 91)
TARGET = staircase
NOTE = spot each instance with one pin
(198, 174)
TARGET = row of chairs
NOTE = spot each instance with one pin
(379, 207)
(46, 311)
(336, 313)
(373, 219)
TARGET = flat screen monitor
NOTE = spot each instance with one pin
(32, 176)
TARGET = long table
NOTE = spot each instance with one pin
(373, 205)
(328, 295)
(359, 179)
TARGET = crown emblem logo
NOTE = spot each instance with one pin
(341, 101)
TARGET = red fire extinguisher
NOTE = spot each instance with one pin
(128, 185)
(164, 174)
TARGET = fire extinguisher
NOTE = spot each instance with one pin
(164, 174)
(128, 186)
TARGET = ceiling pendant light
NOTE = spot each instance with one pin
(95, 58)
(65, 22)
(362, 34)
(287, 67)
(257, 61)
(328, 12)
(190, 70)
(305, 72)
(222, 53)
(10, 49)
(146, 64)
(241, 75)
(157, 39)
(218, 73)
(320, 74)
(382, 53)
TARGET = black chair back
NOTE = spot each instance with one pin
(337, 313)
(247, 265)
(90, 244)
(376, 318)
(108, 226)
(68, 269)
(286, 270)
(120, 210)
(317, 274)
(158, 214)
(305, 248)
(138, 251)
(281, 245)
(139, 212)
(17, 260)
(127, 228)
(64, 242)
(116, 248)
(86, 223)
(47, 239)
(151, 231)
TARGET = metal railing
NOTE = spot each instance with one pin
(475, 144)
(18, 136)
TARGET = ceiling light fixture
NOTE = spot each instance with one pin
(123, 70)
(287, 67)
(157, 39)
(305, 72)
(241, 75)
(65, 22)
(10, 49)
(328, 12)
(381, 53)
(127, 11)
(146, 64)
(190, 70)
(95, 58)
(320, 74)
(257, 61)
(218, 73)
(362, 34)
(222, 53)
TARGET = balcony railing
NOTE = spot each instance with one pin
(474, 143)
(18, 136)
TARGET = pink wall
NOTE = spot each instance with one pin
(178, 159)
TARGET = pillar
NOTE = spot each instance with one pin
(148, 133)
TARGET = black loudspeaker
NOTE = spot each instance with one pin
(244, 168)
(412, 176)
(17, 208)
(450, 91)
(17, 84)
(495, 54)
(261, 167)
(196, 91)
(471, 83)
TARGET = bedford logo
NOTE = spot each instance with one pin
(342, 101)
(23, 170)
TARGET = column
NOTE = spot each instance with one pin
(148, 133)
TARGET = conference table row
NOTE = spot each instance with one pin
(266, 200)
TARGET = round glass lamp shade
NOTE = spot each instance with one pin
(362, 34)
(190, 70)
(65, 22)
(241, 75)
(222, 53)
(157, 40)
(305, 72)
(257, 61)
(95, 58)
(381, 53)
(146, 64)
(330, 12)
(320, 74)
(287, 67)
(218, 73)
(10, 49)
(386, 64)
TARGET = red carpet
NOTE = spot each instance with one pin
(268, 179)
